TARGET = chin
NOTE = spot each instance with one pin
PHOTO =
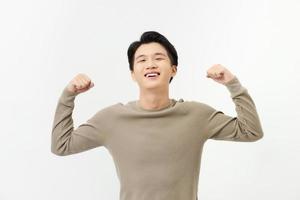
(155, 85)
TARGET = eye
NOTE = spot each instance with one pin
(142, 60)
(159, 58)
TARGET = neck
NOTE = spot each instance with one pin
(154, 99)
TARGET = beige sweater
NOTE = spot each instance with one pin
(157, 153)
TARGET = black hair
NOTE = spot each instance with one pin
(148, 37)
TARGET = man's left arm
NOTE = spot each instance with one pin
(246, 126)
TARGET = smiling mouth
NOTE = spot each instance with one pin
(152, 75)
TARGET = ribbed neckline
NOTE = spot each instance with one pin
(135, 106)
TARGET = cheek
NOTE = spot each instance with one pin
(138, 67)
(139, 74)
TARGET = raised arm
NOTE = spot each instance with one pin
(245, 127)
(66, 140)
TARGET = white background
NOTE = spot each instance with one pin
(44, 44)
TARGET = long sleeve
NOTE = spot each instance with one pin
(245, 127)
(65, 139)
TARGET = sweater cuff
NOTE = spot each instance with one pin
(235, 87)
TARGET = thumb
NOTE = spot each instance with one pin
(91, 85)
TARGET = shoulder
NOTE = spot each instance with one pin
(198, 107)
(192, 104)
(108, 111)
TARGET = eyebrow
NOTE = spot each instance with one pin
(158, 53)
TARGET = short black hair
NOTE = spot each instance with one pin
(148, 37)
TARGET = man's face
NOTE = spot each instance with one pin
(152, 57)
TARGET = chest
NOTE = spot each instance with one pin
(155, 140)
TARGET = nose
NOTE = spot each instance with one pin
(151, 64)
(151, 67)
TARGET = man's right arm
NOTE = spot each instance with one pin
(66, 140)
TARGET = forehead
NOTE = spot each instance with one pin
(150, 48)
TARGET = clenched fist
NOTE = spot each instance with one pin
(80, 83)
(219, 74)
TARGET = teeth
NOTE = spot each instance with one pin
(152, 74)
(148, 75)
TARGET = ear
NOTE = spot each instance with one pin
(174, 70)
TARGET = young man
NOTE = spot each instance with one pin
(156, 141)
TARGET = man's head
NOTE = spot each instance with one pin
(153, 52)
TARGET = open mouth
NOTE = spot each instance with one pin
(152, 75)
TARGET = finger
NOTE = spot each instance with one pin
(218, 74)
(84, 82)
(85, 78)
(89, 84)
(79, 83)
(82, 79)
(92, 85)
(210, 75)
